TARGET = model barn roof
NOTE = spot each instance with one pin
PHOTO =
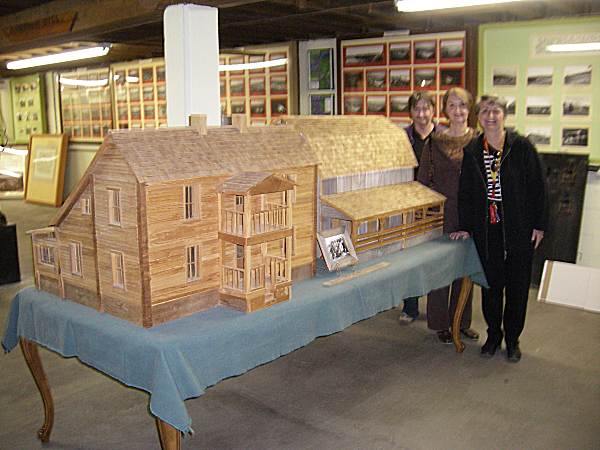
(386, 200)
(180, 153)
(255, 183)
(348, 144)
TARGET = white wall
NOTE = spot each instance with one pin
(589, 239)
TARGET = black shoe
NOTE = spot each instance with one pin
(489, 348)
(444, 336)
(513, 353)
(469, 333)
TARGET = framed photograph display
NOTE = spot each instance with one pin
(337, 248)
(256, 59)
(399, 105)
(28, 104)
(321, 104)
(320, 74)
(425, 78)
(354, 80)
(400, 80)
(354, 105)
(504, 76)
(539, 76)
(278, 84)
(576, 106)
(539, 135)
(257, 85)
(425, 52)
(538, 106)
(452, 77)
(511, 105)
(400, 52)
(257, 107)
(46, 169)
(377, 105)
(237, 87)
(577, 75)
(452, 50)
(13, 162)
(278, 56)
(376, 80)
(575, 137)
(279, 107)
(364, 55)
(238, 106)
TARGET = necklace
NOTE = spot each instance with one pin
(494, 213)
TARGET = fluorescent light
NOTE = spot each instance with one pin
(73, 55)
(428, 5)
(252, 65)
(85, 83)
(580, 47)
(13, 151)
(10, 173)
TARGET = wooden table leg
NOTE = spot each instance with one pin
(32, 357)
(170, 437)
(465, 289)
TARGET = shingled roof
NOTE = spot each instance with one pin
(351, 144)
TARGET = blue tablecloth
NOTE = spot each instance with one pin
(178, 360)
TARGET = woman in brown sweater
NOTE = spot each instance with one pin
(439, 170)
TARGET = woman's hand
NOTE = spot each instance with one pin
(457, 235)
(536, 237)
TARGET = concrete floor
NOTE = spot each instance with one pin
(376, 385)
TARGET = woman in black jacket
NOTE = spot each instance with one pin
(502, 205)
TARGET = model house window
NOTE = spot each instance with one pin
(75, 250)
(86, 206)
(114, 206)
(239, 256)
(191, 202)
(118, 269)
(370, 226)
(392, 221)
(46, 255)
(239, 203)
(193, 263)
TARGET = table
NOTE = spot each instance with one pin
(178, 360)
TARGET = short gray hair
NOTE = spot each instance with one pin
(495, 100)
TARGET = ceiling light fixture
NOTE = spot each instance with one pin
(428, 5)
(72, 55)
(579, 47)
(85, 83)
(252, 65)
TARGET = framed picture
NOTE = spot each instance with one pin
(425, 52)
(354, 80)
(237, 87)
(256, 59)
(576, 106)
(257, 85)
(321, 104)
(13, 162)
(376, 80)
(46, 169)
(222, 89)
(276, 56)
(279, 107)
(575, 137)
(452, 50)
(400, 53)
(538, 106)
(236, 60)
(539, 76)
(238, 106)
(452, 77)
(257, 107)
(278, 84)
(504, 76)
(400, 79)
(399, 105)
(511, 106)
(337, 248)
(377, 105)
(577, 75)
(364, 55)
(424, 78)
(320, 74)
(353, 105)
(539, 135)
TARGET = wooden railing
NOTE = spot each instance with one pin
(233, 278)
(274, 218)
(278, 269)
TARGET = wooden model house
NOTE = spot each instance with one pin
(366, 167)
(168, 222)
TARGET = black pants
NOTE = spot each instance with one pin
(509, 275)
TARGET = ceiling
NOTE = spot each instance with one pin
(135, 26)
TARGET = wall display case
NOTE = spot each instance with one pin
(318, 77)
(265, 92)
(29, 109)
(378, 75)
(85, 102)
(140, 94)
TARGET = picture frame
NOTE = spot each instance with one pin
(258, 107)
(576, 106)
(424, 52)
(504, 76)
(278, 84)
(276, 56)
(575, 136)
(354, 80)
(376, 80)
(538, 106)
(321, 104)
(540, 76)
(452, 50)
(365, 55)
(279, 107)
(257, 85)
(256, 59)
(13, 171)
(337, 248)
(354, 105)
(237, 87)
(320, 73)
(400, 53)
(577, 75)
(377, 105)
(236, 60)
(452, 77)
(46, 169)
(511, 105)
(539, 135)
(399, 105)
(425, 79)
(400, 79)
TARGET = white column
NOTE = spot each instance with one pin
(192, 61)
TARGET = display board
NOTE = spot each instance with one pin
(140, 94)
(380, 74)
(263, 93)
(317, 61)
(553, 97)
(85, 104)
(29, 108)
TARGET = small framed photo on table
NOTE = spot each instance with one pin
(337, 248)
(46, 169)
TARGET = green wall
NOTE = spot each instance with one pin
(511, 45)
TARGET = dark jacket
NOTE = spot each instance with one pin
(523, 194)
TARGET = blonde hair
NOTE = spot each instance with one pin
(461, 93)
